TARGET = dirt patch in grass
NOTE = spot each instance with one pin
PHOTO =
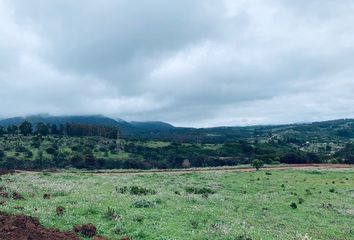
(17, 196)
(99, 238)
(88, 230)
(60, 210)
(4, 194)
(20, 227)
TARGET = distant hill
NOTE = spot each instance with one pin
(127, 128)
(34, 119)
(342, 129)
(155, 130)
(152, 125)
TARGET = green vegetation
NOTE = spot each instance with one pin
(216, 205)
(257, 164)
(94, 152)
(93, 146)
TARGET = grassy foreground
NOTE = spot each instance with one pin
(215, 205)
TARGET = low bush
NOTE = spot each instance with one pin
(135, 190)
(197, 190)
(142, 203)
(111, 214)
(139, 218)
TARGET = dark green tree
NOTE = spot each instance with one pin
(42, 129)
(54, 129)
(61, 129)
(78, 160)
(2, 130)
(26, 128)
(12, 129)
(2, 154)
(257, 164)
(36, 141)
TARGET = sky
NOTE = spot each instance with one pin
(194, 63)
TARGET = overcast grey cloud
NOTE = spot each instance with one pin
(188, 62)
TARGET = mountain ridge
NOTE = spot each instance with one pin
(161, 131)
(125, 126)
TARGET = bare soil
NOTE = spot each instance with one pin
(20, 227)
(88, 230)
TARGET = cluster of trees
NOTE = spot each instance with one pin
(26, 128)
(179, 155)
(346, 154)
(91, 130)
(38, 152)
(70, 129)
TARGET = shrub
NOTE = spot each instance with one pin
(142, 203)
(2, 154)
(111, 214)
(36, 143)
(46, 196)
(50, 150)
(327, 205)
(196, 190)
(194, 224)
(78, 160)
(77, 148)
(315, 172)
(293, 205)
(29, 154)
(20, 149)
(136, 190)
(139, 218)
(122, 190)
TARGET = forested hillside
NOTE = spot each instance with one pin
(86, 142)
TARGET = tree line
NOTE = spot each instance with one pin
(26, 128)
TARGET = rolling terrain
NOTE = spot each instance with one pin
(92, 177)
(290, 204)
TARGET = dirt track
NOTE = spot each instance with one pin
(223, 169)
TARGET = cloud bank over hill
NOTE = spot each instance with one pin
(191, 63)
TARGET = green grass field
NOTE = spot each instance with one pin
(216, 205)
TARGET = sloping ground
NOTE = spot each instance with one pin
(4, 172)
(218, 169)
(19, 227)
